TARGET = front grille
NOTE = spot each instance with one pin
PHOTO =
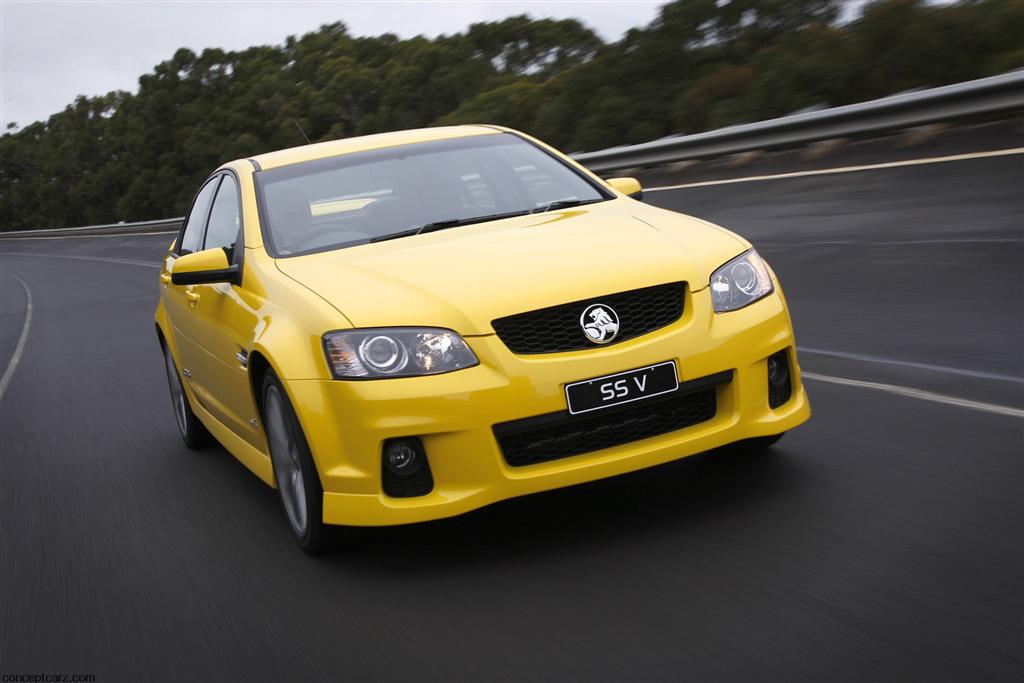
(560, 435)
(557, 328)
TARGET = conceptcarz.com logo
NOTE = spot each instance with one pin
(600, 323)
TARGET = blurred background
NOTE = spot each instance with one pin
(679, 67)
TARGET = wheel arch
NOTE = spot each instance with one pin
(258, 367)
(260, 364)
(163, 331)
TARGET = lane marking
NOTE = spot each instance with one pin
(952, 240)
(845, 169)
(122, 261)
(918, 394)
(20, 347)
(910, 364)
(84, 237)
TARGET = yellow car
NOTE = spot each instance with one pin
(408, 326)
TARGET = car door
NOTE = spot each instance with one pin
(221, 377)
(179, 300)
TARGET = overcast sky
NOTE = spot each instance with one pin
(51, 52)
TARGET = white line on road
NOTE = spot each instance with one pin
(910, 364)
(845, 169)
(887, 243)
(918, 394)
(122, 261)
(20, 347)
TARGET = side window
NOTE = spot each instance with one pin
(193, 238)
(225, 221)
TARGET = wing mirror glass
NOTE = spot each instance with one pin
(627, 186)
(203, 268)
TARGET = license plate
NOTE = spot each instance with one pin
(622, 387)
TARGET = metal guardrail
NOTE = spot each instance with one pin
(981, 97)
(974, 98)
(163, 225)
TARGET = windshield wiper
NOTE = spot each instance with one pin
(564, 204)
(450, 223)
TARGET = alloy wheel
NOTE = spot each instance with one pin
(284, 454)
(177, 393)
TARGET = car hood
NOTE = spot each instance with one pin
(463, 278)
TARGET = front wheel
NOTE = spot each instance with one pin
(298, 483)
(192, 431)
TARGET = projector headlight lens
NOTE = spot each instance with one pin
(740, 282)
(395, 352)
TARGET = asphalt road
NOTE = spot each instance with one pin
(881, 541)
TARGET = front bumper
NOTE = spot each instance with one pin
(347, 422)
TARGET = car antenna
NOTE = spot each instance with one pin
(306, 137)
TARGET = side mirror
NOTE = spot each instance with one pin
(203, 268)
(627, 186)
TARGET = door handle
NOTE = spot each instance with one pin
(165, 278)
(192, 296)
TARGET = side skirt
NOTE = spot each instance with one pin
(256, 461)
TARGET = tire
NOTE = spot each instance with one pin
(192, 431)
(298, 483)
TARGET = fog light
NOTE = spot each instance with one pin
(780, 387)
(405, 469)
(778, 369)
(402, 458)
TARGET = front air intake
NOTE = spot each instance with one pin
(543, 438)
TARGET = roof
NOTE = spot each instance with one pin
(322, 150)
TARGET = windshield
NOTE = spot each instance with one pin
(368, 196)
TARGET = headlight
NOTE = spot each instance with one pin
(739, 282)
(395, 352)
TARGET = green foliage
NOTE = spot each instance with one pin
(522, 46)
(714, 100)
(700, 65)
(513, 105)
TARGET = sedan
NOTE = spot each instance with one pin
(403, 327)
